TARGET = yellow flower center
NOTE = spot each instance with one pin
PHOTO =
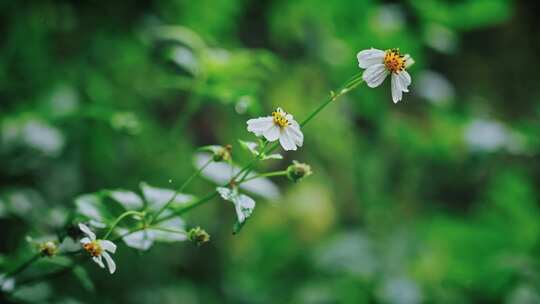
(394, 61)
(280, 119)
(93, 248)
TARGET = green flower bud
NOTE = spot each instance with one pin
(198, 236)
(297, 171)
(48, 249)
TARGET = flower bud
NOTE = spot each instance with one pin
(297, 171)
(48, 249)
(222, 153)
(198, 236)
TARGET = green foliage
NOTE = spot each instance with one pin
(431, 200)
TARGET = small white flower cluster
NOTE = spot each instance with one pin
(379, 64)
(98, 249)
(279, 126)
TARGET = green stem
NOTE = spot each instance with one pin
(248, 168)
(269, 174)
(352, 83)
(185, 209)
(23, 266)
(168, 230)
(182, 187)
(120, 218)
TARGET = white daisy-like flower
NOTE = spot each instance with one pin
(379, 64)
(98, 249)
(281, 125)
(243, 204)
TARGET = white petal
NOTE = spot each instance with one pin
(286, 141)
(272, 134)
(397, 94)
(296, 133)
(110, 263)
(87, 231)
(244, 206)
(404, 80)
(85, 240)
(408, 61)
(367, 58)
(375, 75)
(108, 245)
(98, 261)
(225, 193)
(259, 125)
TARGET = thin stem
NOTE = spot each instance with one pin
(185, 209)
(259, 156)
(168, 230)
(269, 174)
(120, 218)
(182, 187)
(352, 83)
(23, 266)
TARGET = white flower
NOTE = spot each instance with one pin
(379, 64)
(243, 204)
(98, 248)
(281, 125)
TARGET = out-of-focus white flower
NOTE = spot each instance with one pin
(6, 284)
(487, 135)
(379, 64)
(98, 249)
(243, 204)
(434, 87)
(281, 125)
(441, 38)
(221, 173)
(389, 18)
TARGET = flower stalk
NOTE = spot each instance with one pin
(182, 187)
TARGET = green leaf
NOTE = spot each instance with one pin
(250, 146)
(82, 276)
(238, 226)
(272, 156)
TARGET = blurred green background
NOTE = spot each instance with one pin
(432, 200)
